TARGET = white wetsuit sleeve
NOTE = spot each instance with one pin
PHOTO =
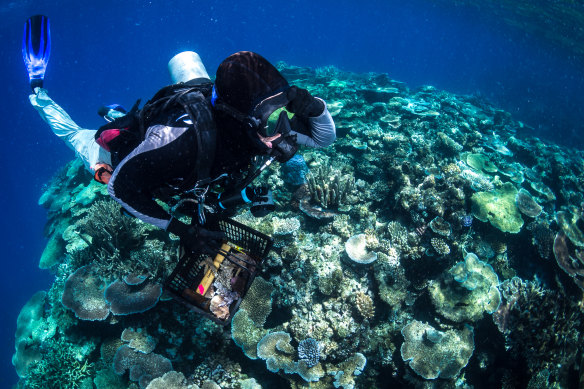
(79, 139)
(322, 129)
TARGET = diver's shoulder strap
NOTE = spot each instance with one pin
(185, 97)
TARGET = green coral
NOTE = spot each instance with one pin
(466, 291)
(432, 353)
(498, 207)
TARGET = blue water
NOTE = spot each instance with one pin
(109, 52)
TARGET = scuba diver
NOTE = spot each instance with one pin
(191, 137)
(201, 136)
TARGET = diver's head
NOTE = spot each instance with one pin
(249, 89)
(111, 112)
(187, 66)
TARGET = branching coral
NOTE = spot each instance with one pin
(328, 188)
(540, 325)
(110, 230)
(58, 365)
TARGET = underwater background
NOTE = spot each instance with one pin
(502, 55)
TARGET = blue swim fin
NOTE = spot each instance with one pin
(36, 48)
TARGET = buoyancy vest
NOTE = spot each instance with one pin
(122, 135)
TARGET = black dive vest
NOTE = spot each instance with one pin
(166, 105)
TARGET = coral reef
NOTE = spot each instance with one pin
(369, 234)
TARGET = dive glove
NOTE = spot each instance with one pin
(195, 238)
(303, 103)
(284, 147)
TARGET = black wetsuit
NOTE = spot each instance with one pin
(167, 158)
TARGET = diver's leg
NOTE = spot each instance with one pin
(79, 139)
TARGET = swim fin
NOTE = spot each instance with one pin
(36, 48)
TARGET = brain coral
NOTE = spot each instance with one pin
(498, 207)
(432, 354)
(466, 291)
(83, 294)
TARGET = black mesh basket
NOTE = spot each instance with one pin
(232, 269)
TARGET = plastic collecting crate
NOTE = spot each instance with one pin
(214, 286)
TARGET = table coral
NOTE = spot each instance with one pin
(127, 299)
(276, 350)
(467, 290)
(436, 354)
(345, 372)
(356, 248)
(143, 367)
(499, 208)
(83, 294)
(258, 301)
(527, 205)
(246, 334)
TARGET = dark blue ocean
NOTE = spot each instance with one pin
(115, 52)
